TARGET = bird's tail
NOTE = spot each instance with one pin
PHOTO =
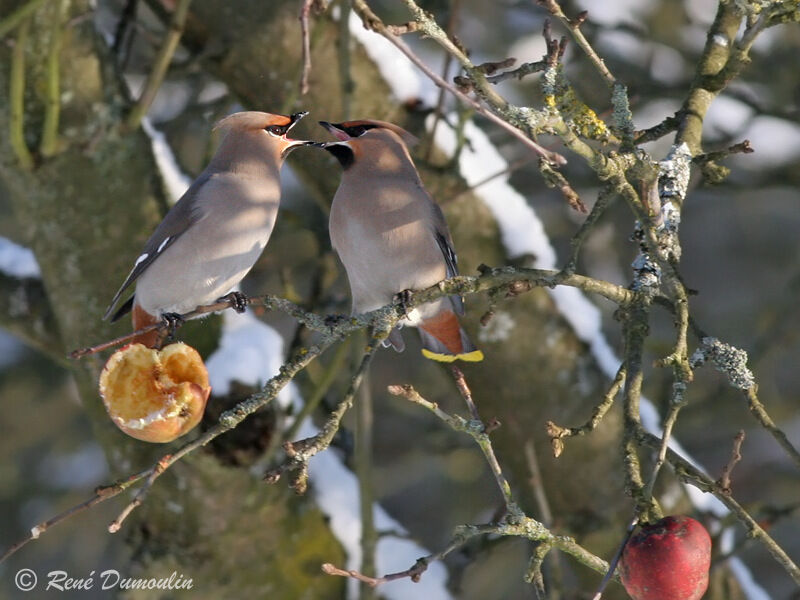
(444, 340)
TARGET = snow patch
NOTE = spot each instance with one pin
(175, 180)
(18, 261)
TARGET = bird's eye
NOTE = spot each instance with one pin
(356, 131)
(277, 130)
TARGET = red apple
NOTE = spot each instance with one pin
(667, 560)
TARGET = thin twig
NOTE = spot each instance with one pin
(304, 12)
(452, 22)
(162, 61)
(557, 433)
(312, 402)
(300, 452)
(52, 109)
(519, 73)
(101, 494)
(612, 566)
(574, 27)
(414, 572)
(16, 91)
(466, 394)
(760, 413)
(366, 491)
(19, 15)
(724, 481)
(474, 428)
(138, 500)
(379, 27)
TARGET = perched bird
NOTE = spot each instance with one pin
(391, 236)
(215, 233)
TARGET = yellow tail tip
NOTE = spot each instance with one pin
(474, 356)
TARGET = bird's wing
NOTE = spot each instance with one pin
(179, 218)
(445, 242)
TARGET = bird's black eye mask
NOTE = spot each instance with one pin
(355, 131)
(343, 154)
(281, 130)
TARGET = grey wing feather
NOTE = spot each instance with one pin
(179, 218)
(450, 258)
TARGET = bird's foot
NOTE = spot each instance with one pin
(170, 322)
(237, 300)
(334, 320)
(403, 299)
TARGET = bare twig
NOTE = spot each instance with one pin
(452, 22)
(16, 91)
(574, 27)
(466, 394)
(19, 15)
(101, 494)
(162, 61)
(318, 6)
(366, 489)
(518, 73)
(52, 111)
(304, 12)
(742, 147)
(760, 413)
(414, 572)
(154, 472)
(557, 433)
(300, 452)
(612, 566)
(474, 428)
(724, 481)
(372, 22)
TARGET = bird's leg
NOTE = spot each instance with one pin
(170, 322)
(237, 300)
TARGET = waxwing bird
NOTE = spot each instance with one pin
(391, 236)
(215, 233)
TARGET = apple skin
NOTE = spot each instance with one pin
(667, 560)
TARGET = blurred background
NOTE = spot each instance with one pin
(86, 210)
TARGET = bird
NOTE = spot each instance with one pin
(214, 234)
(392, 237)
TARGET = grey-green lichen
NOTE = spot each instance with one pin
(727, 359)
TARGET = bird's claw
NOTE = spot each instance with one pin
(171, 322)
(403, 299)
(334, 320)
(237, 300)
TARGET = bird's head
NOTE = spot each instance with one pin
(365, 137)
(277, 127)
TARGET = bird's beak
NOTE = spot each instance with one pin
(296, 117)
(337, 131)
(290, 143)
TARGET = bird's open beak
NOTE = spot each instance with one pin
(290, 143)
(335, 129)
(296, 117)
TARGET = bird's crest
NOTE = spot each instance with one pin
(252, 119)
(354, 129)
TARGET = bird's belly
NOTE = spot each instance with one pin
(197, 271)
(382, 264)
